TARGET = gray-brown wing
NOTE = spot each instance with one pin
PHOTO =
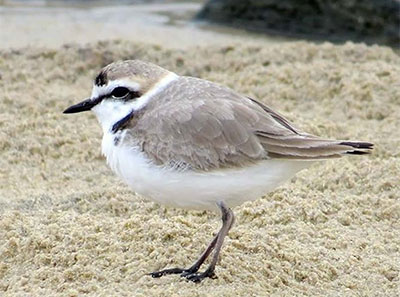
(300, 145)
(201, 125)
(203, 134)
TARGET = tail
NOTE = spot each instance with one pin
(309, 147)
(357, 148)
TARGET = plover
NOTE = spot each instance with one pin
(191, 143)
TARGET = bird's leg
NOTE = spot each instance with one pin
(227, 222)
(191, 273)
(194, 268)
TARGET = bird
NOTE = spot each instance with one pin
(191, 143)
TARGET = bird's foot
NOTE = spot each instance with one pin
(190, 274)
(197, 277)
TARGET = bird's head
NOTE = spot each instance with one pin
(122, 88)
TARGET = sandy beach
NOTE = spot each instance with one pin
(69, 227)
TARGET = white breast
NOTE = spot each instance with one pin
(196, 190)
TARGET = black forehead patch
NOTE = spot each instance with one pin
(101, 79)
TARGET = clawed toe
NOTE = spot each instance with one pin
(190, 274)
(198, 277)
(160, 273)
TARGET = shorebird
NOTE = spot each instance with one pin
(191, 143)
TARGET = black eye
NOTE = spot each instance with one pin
(120, 92)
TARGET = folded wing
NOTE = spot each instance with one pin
(294, 144)
(204, 126)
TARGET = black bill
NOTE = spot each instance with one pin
(82, 106)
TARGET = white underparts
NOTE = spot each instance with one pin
(197, 190)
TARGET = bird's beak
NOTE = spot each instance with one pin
(81, 106)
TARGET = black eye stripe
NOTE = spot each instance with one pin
(131, 95)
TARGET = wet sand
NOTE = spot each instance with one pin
(165, 24)
(69, 227)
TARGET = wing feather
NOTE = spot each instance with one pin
(203, 126)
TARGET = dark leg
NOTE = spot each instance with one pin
(194, 268)
(191, 273)
(227, 222)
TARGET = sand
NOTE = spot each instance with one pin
(69, 227)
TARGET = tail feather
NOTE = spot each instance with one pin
(309, 147)
(362, 148)
(357, 153)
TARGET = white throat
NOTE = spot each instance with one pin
(110, 111)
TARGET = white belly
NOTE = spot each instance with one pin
(196, 190)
